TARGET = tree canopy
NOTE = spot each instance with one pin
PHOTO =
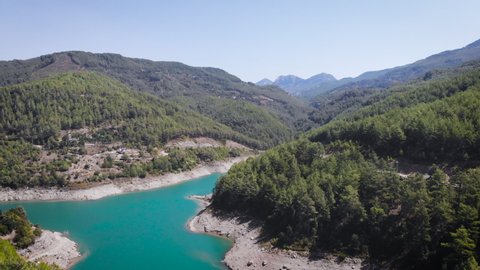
(337, 189)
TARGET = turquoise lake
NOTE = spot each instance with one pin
(142, 230)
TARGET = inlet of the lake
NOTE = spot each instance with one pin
(142, 230)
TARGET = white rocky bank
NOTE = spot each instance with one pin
(248, 250)
(52, 247)
(115, 188)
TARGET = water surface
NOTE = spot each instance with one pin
(142, 230)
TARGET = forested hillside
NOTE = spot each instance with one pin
(338, 189)
(342, 103)
(434, 122)
(46, 124)
(38, 110)
(15, 220)
(243, 117)
(163, 79)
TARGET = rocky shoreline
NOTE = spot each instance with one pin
(249, 252)
(117, 187)
(53, 248)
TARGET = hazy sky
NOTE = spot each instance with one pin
(250, 39)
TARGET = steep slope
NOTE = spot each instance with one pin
(338, 189)
(319, 85)
(429, 123)
(387, 77)
(288, 83)
(163, 79)
(339, 103)
(78, 128)
(37, 110)
(242, 116)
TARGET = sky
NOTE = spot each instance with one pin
(252, 39)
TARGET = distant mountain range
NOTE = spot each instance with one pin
(296, 85)
(324, 82)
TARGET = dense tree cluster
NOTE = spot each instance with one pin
(105, 111)
(332, 105)
(37, 111)
(447, 84)
(436, 122)
(15, 219)
(244, 118)
(337, 189)
(40, 103)
(19, 166)
(345, 104)
(343, 199)
(167, 80)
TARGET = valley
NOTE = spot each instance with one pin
(378, 171)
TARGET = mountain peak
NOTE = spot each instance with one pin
(323, 77)
(264, 82)
(297, 86)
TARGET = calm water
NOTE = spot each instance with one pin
(144, 230)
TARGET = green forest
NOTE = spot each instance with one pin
(15, 219)
(337, 189)
(37, 111)
(436, 122)
(103, 110)
(243, 117)
(343, 103)
(167, 80)
(344, 199)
